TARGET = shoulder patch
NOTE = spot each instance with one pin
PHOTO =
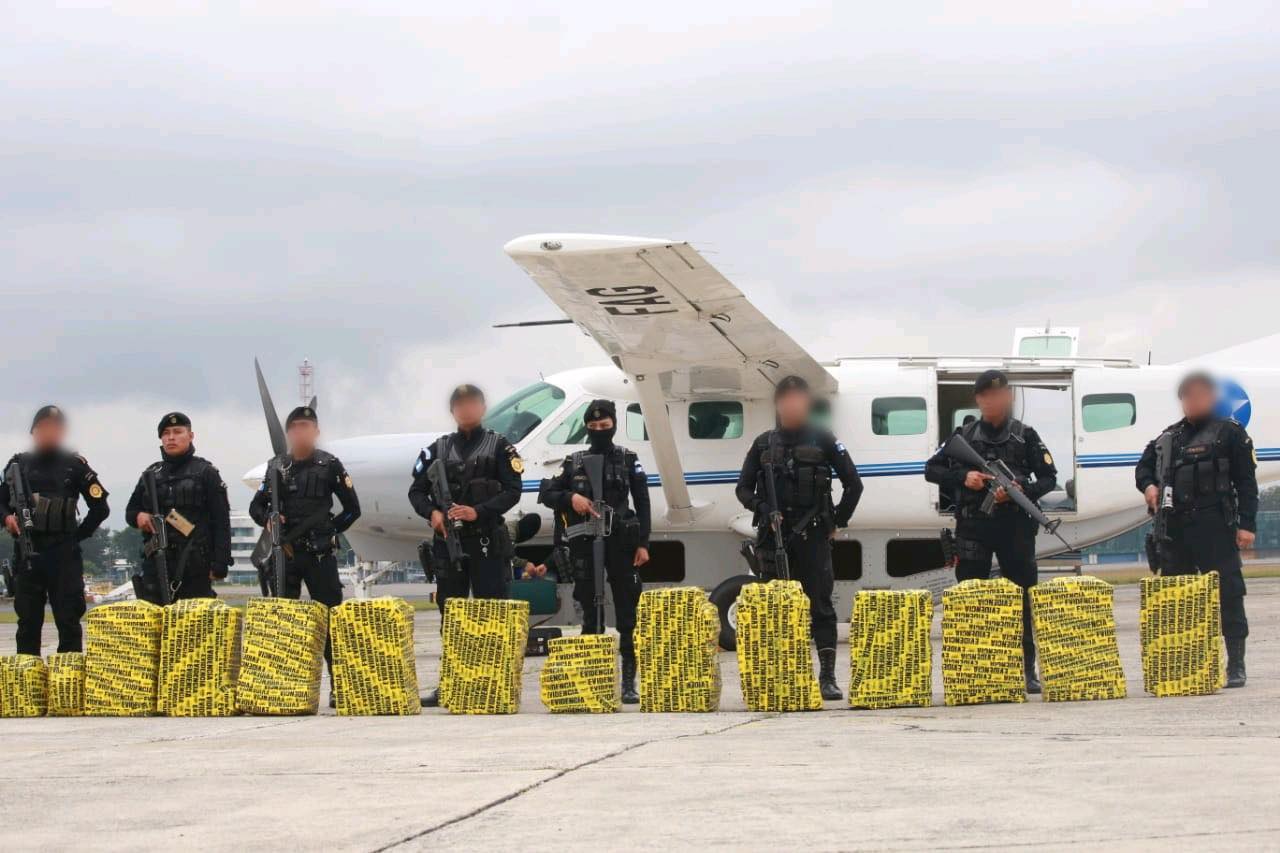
(840, 448)
(346, 481)
(95, 491)
(1048, 458)
(517, 464)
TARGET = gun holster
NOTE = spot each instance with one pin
(427, 557)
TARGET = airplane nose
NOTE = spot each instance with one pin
(254, 476)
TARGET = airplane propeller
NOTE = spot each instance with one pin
(274, 429)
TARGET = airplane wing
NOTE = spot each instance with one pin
(671, 322)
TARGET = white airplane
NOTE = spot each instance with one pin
(687, 343)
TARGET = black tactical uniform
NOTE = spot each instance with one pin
(310, 531)
(623, 476)
(1008, 532)
(483, 470)
(1212, 472)
(55, 480)
(190, 487)
(803, 461)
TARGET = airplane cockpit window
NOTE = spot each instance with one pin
(1108, 411)
(715, 419)
(636, 429)
(899, 416)
(571, 430)
(521, 413)
(821, 415)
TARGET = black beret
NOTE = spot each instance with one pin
(463, 392)
(46, 412)
(790, 383)
(173, 419)
(1196, 377)
(302, 413)
(990, 379)
(598, 410)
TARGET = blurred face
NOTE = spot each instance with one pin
(1198, 400)
(176, 440)
(793, 408)
(995, 404)
(302, 436)
(468, 412)
(48, 434)
(602, 425)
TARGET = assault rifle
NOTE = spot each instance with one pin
(781, 565)
(276, 528)
(20, 501)
(1001, 478)
(1158, 540)
(157, 547)
(598, 525)
(453, 527)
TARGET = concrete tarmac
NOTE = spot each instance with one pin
(1140, 773)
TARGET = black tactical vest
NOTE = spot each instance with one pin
(308, 491)
(473, 479)
(1201, 469)
(1008, 445)
(182, 487)
(55, 492)
(802, 472)
(617, 477)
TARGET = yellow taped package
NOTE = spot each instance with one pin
(982, 643)
(677, 650)
(581, 674)
(122, 659)
(482, 655)
(374, 669)
(1075, 629)
(773, 648)
(24, 686)
(199, 659)
(282, 658)
(1181, 625)
(66, 684)
(891, 656)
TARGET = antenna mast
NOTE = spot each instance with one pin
(306, 381)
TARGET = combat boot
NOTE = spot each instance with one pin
(629, 694)
(827, 675)
(432, 699)
(1029, 665)
(1235, 662)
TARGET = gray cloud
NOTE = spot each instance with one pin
(186, 186)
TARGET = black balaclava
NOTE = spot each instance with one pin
(601, 440)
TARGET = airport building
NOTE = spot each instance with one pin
(244, 535)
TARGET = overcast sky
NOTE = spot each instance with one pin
(186, 185)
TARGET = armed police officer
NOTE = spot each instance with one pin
(1006, 531)
(1199, 477)
(52, 480)
(802, 457)
(570, 495)
(478, 481)
(192, 501)
(309, 480)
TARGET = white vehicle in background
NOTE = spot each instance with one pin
(687, 344)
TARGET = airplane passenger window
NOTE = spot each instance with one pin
(899, 416)
(518, 415)
(1108, 411)
(571, 430)
(718, 419)
(636, 429)
(962, 416)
